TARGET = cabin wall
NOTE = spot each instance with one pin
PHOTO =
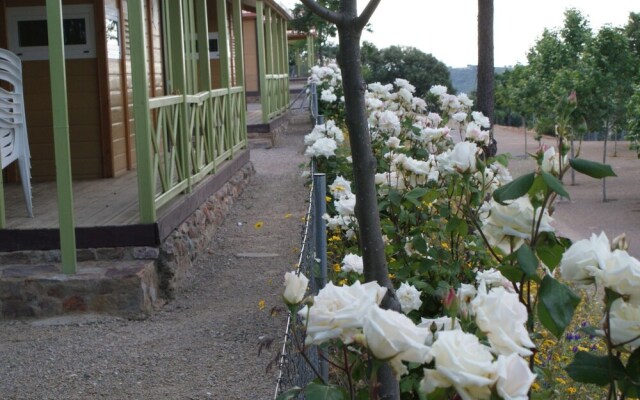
(84, 109)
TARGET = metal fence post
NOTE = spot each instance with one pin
(320, 225)
(313, 104)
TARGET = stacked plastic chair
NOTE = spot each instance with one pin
(14, 144)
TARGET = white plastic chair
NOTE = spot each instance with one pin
(14, 144)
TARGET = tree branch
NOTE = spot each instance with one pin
(368, 11)
(322, 12)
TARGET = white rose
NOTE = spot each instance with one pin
(514, 377)
(323, 147)
(328, 96)
(295, 287)
(340, 187)
(492, 278)
(394, 337)
(438, 90)
(502, 317)
(465, 294)
(625, 323)
(339, 311)
(621, 273)
(463, 157)
(507, 226)
(481, 120)
(346, 205)
(461, 361)
(393, 142)
(409, 297)
(579, 261)
(459, 116)
(389, 122)
(353, 263)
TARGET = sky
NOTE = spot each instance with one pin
(447, 29)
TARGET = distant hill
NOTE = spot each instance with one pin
(464, 79)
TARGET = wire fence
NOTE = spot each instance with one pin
(296, 369)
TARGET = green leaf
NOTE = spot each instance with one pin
(514, 189)
(557, 305)
(598, 370)
(591, 168)
(290, 394)
(555, 185)
(527, 261)
(415, 195)
(550, 254)
(457, 225)
(630, 386)
(317, 391)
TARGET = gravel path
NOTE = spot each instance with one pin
(202, 345)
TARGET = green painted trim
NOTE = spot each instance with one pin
(61, 144)
(269, 41)
(223, 43)
(240, 67)
(141, 114)
(202, 27)
(238, 34)
(262, 63)
(3, 217)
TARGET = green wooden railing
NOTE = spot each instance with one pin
(277, 96)
(215, 131)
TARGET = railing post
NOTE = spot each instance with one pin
(3, 218)
(262, 63)
(238, 35)
(320, 226)
(61, 136)
(141, 114)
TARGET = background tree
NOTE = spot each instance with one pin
(485, 90)
(421, 69)
(305, 21)
(350, 26)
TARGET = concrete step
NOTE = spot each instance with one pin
(128, 289)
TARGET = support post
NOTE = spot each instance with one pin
(141, 114)
(202, 29)
(61, 136)
(262, 63)
(320, 203)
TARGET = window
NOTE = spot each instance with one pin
(112, 24)
(28, 37)
(213, 45)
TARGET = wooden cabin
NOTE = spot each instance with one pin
(152, 115)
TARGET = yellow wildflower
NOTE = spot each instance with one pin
(571, 390)
(328, 198)
(445, 245)
(342, 282)
(258, 225)
(261, 305)
(287, 216)
(561, 381)
(392, 276)
(337, 268)
(535, 386)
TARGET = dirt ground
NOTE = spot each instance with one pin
(586, 213)
(202, 345)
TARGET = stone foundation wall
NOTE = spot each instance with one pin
(174, 256)
(191, 238)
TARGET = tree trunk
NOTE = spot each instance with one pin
(350, 28)
(364, 170)
(485, 89)
(604, 161)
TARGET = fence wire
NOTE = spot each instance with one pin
(296, 369)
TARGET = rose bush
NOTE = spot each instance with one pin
(472, 252)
